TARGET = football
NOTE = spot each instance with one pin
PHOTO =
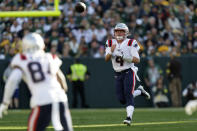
(80, 7)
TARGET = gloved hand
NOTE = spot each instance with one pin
(114, 55)
(127, 58)
(117, 54)
(124, 57)
(3, 109)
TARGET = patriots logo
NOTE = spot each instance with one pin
(135, 46)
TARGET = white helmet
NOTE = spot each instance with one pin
(32, 42)
(121, 26)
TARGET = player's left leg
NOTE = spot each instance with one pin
(143, 92)
(61, 119)
(137, 93)
(65, 117)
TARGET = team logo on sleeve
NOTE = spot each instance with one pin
(135, 45)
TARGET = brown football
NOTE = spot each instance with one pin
(80, 7)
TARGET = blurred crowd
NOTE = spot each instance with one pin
(162, 27)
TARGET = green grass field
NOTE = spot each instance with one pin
(171, 119)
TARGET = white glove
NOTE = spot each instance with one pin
(3, 109)
(128, 59)
(116, 54)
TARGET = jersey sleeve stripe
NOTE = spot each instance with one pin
(109, 43)
(23, 57)
(130, 42)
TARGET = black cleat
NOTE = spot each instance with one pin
(144, 93)
(127, 121)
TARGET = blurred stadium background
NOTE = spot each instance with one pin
(162, 27)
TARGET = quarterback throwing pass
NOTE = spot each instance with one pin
(124, 54)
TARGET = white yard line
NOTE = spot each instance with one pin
(105, 125)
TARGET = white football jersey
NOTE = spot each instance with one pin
(128, 48)
(39, 72)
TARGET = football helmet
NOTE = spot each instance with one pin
(121, 26)
(32, 42)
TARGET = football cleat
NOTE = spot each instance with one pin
(144, 93)
(127, 121)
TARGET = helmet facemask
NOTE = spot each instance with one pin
(120, 37)
(121, 27)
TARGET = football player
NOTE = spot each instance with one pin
(191, 107)
(124, 54)
(46, 82)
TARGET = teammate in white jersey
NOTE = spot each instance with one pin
(46, 82)
(191, 107)
(124, 54)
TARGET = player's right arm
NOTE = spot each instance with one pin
(109, 51)
(11, 85)
(55, 67)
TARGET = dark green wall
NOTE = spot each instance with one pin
(100, 91)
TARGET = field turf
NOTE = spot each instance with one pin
(144, 119)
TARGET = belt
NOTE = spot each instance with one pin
(123, 71)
